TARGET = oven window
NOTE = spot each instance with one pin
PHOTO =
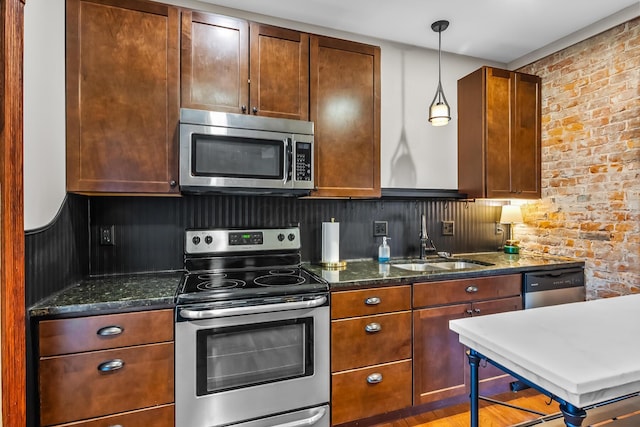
(243, 356)
(227, 156)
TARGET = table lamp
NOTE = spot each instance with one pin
(510, 215)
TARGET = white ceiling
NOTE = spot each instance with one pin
(498, 30)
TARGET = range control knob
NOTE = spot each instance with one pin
(280, 237)
(195, 240)
(208, 240)
(291, 237)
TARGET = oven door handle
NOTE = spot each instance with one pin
(307, 421)
(196, 314)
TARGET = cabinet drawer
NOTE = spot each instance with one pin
(363, 302)
(72, 387)
(79, 334)
(466, 290)
(355, 342)
(161, 416)
(354, 397)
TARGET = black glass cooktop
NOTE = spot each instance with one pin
(225, 285)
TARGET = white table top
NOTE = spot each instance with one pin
(584, 353)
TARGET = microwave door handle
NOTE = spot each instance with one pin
(286, 162)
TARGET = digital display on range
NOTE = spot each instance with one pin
(239, 238)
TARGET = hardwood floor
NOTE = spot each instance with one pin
(491, 415)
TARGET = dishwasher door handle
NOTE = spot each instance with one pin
(212, 313)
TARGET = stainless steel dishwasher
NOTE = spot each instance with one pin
(552, 287)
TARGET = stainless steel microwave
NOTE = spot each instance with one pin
(238, 153)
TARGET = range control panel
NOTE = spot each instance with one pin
(215, 241)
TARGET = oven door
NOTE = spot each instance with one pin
(234, 365)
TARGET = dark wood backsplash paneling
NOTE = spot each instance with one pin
(58, 255)
(149, 231)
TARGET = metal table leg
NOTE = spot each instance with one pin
(474, 361)
(573, 416)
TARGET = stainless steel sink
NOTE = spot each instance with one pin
(416, 266)
(456, 265)
(440, 265)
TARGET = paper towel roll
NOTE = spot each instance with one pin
(330, 242)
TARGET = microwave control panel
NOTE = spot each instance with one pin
(303, 161)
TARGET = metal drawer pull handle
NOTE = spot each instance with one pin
(373, 327)
(116, 425)
(372, 301)
(469, 312)
(472, 289)
(476, 310)
(108, 331)
(374, 378)
(111, 365)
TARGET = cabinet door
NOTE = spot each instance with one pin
(215, 62)
(122, 96)
(499, 87)
(345, 106)
(279, 72)
(440, 363)
(79, 386)
(489, 375)
(525, 145)
(370, 340)
(369, 391)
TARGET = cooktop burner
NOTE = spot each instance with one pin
(225, 265)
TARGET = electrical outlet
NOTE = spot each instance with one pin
(499, 229)
(380, 228)
(447, 228)
(106, 235)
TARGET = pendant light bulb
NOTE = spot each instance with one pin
(439, 111)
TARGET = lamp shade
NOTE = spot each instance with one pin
(439, 114)
(511, 215)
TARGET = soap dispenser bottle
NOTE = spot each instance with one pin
(384, 251)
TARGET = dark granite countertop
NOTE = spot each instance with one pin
(111, 294)
(370, 273)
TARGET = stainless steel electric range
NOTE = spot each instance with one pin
(252, 332)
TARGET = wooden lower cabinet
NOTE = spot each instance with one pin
(365, 392)
(414, 358)
(355, 347)
(370, 352)
(102, 371)
(440, 362)
(161, 416)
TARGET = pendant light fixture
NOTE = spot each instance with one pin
(439, 111)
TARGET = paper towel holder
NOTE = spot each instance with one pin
(333, 264)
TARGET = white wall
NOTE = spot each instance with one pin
(44, 111)
(409, 78)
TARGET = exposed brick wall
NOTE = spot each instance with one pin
(590, 206)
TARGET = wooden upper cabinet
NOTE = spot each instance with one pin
(279, 72)
(215, 62)
(234, 66)
(345, 107)
(499, 142)
(122, 90)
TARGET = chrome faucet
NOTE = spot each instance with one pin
(426, 244)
